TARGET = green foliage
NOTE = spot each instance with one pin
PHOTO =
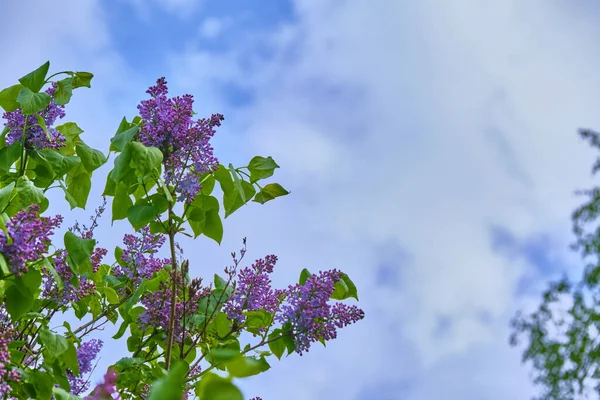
(566, 362)
(214, 387)
(8, 97)
(139, 190)
(171, 386)
(35, 80)
(79, 252)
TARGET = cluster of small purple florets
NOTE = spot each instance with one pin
(310, 314)
(253, 291)
(139, 259)
(305, 308)
(6, 374)
(86, 354)
(106, 389)
(35, 137)
(30, 235)
(139, 262)
(185, 143)
(69, 292)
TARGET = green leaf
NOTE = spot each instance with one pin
(157, 227)
(79, 252)
(170, 387)
(30, 282)
(122, 166)
(35, 80)
(258, 319)
(234, 201)
(18, 301)
(64, 91)
(54, 345)
(221, 355)
(261, 168)
(70, 359)
(213, 227)
(79, 189)
(61, 394)
(160, 202)
(223, 176)
(220, 283)
(59, 163)
(7, 194)
(214, 387)
(32, 102)
(304, 275)
(42, 124)
(135, 297)
(57, 279)
(69, 130)
(120, 140)
(140, 215)
(344, 289)
(4, 270)
(8, 97)
(91, 159)
(276, 344)
(269, 192)
(42, 383)
(8, 156)
(203, 217)
(111, 295)
(207, 182)
(121, 202)
(244, 366)
(127, 362)
(25, 194)
(145, 159)
(237, 183)
(82, 79)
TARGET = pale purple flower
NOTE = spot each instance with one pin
(30, 236)
(35, 137)
(168, 124)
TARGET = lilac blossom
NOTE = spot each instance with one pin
(168, 124)
(105, 390)
(6, 374)
(139, 256)
(86, 354)
(30, 236)
(158, 306)
(69, 292)
(253, 291)
(312, 318)
(35, 137)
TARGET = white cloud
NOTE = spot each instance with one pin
(464, 118)
(183, 9)
(421, 124)
(212, 27)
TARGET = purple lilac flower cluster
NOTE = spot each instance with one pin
(253, 291)
(158, 306)
(35, 137)
(305, 308)
(30, 236)
(139, 262)
(139, 256)
(105, 390)
(86, 354)
(69, 292)
(168, 125)
(311, 316)
(6, 375)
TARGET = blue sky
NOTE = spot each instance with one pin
(430, 148)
